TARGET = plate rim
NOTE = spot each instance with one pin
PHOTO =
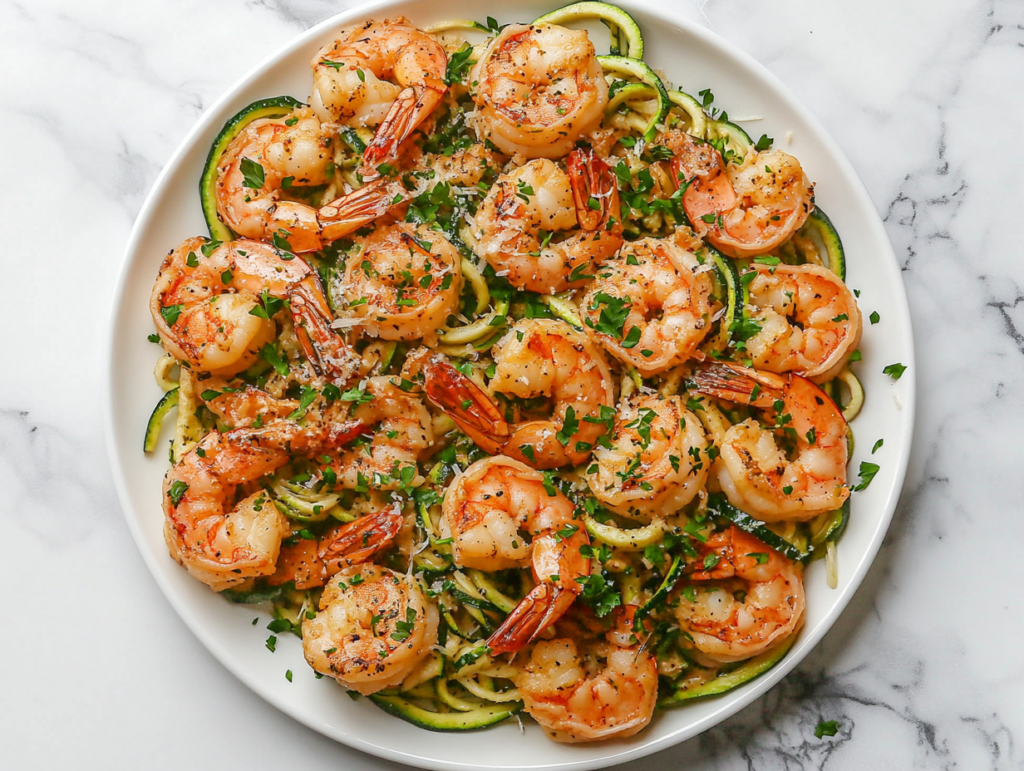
(618, 753)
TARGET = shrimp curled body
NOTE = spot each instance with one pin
(220, 542)
(590, 692)
(750, 601)
(809, 319)
(388, 73)
(538, 89)
(654, 466)
(404, 281)
(664, 291)
(747, 208)
(753, 471)
(537, 197)
(264, 158)
(537, 358)
(486, 508)
(374, 627)
(204, 299)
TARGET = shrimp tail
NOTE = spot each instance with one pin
(350, 212)
(591, 180)
(355, 542)
(543, 606)
(411, 107)
(465, 403)
(739, 384)
(323, 346)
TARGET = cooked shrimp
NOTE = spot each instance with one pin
(537, 358)
(744, 209)
(402, 430)
(357, 541)
(203, 300)
(538, 88)
(752, 599)
(665, 293)
(590, 692)
(242, 408)
(266, 157)
(221, 542)
(403, 282)
(654, 466)
(309, 562)
(487, 508)
(809, 319)
(374, 627)
(541, 197)
(388, 73)
(753, 470)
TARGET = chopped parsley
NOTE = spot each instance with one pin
(826, 728)
(252, 174)
(867, 473)
(895, 371)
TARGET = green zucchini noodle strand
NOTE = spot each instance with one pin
(491, 592)
(853, 407)
(473, 332)
(164, 372)
(302, 504)
(633, 539)
(188, 429)
(831, 565)
(482, 691)
(697, 119)
(564, 308)
(472, 274)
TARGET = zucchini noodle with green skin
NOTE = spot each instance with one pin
(580, 503)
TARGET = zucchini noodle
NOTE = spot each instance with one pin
(634, 539)
(853, 407)
(164, 372)
(472, 332)
(564, 309)
(188, 429)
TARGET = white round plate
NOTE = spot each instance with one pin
(693, 59)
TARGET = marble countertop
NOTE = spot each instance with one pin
(924, 670)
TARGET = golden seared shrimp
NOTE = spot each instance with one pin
(267, 158)
(753, 471)
(751, 600)
(242, 408)
(403, 282)
(203, 299)
(374, 627)
(582, 692)
(353, 543)
(654, 466)
(402, 430)
(538, 88)
(809, 319)
(541, 197)
(537, 358)
(222, 542)
(665, 293)
(487, 509)
(388, 73)
(310, 562)
(747, 208)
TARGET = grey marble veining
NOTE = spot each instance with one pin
(923, 671)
